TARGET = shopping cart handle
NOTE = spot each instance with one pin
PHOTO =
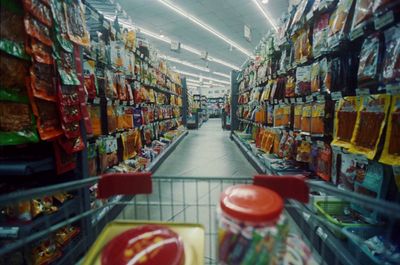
(289, 187)
(124, 184)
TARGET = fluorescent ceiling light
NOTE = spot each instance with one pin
(202, 77)
(176, 60)
(260, 7)
(265, 1)
(221, 74)
(205, 26)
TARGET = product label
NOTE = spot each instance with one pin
(9, 232)
(384, 20)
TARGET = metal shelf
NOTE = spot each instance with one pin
(248, 154)
(26, 167)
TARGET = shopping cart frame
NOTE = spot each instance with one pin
(155, 199)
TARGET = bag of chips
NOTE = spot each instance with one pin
(64, 162)
(339, 22)
(12, 22)
(320, 35)
(76, 23)
(324, 162)
(391, 62)
(303, 80)
(306, 115)
(391, 149)
(362, 12)
(369, 125)
(369, 60)
(39, 10)
(42, 81)
(38, 30)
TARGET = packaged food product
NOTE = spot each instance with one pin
(391, 149)
(300, 12)
(90, 78)
(124, 117)
(13, 72)
(39, 10)
(306, 115)
(38, 30)
(318, 119)
(12, 25)
(42, 81)
(369, 58)
(64, 235)
(117, 53)
(303, 80)
(92, 159)
(45, 252)
(320, 35)
(95, 118)
(339, 21)
(111, 89)
(304, 152)
(40, 52)
(76, 23)
(315, 77)
(362, 12)
(378, 4)
(369, 126)
(17, 125)
(391, 62)
(345, 120)
(66, 68)
(128, 142)
(298, 109)
(111, 119)
(64, 162)
(302, 46)
(324, 162)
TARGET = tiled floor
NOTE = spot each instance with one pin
(187, 185)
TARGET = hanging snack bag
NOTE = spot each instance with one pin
(298, 109)
(290, 87)
(320, 35)
(39, 10)
(90, 79)
(345, 120)
(391, 149)
(72, 145)
(303, 80)
(117, 51)
(66, 68)
(76, 23)
(92, 159)
(318, 119)
(64, 162)
(362, 12)
(12, 23)
(111, 119)
(95, 118)
(17, 124)
(338, 22)
(45, 252)
(369, 58)
(111, 90)
(38, 30)
(40, 52)
(370, 124)
(315, 77)
(128, 142)
(391, 62)
(306, 115)
(42, 83)
(324, 162)
(13, 72)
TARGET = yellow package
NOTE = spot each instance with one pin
(391, 149)
(369, 126)
(345, 120)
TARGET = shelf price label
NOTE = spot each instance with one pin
(383, 20)
(321, 233)
(9, 232)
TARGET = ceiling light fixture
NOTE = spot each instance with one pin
(265, 2)
(176, 60)
(202, 77)
(221, 74)
(260, 7)
(205, 26)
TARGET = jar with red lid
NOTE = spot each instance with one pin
(251, 226)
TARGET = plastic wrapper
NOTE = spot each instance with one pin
(111, 119)
(61, 32)
(297, 117)
(13, 72)
(121, 87)
(303, 80)
(369, 58)
(128, 142)
(20, 211)
(70, 113)
(64, 162)
(391, 62)
(124, 117)
(324, 162)
(111, 89)
(338, 22)
(315, 77)
(39, 10)
(391, 149)
(72, 145)
(302, 46)
(337, 75)
(320, 35)
(66, 68)
(68, 96)
(47, 119)
(64, 235)
(76, 24)
(11, 26)
(45, 252)
(318, 119)
(41, 78)
(92, 159)
(117, 51)
(38, 30)
(300, 12)
(40, 52)
(17, 125)
(71, 130)
(90, 79)
(306, 115)
(362, 12)
(369, 125)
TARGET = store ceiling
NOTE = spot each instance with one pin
(228, 17)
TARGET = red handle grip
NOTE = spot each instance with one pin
(124, 184)
(293, 187)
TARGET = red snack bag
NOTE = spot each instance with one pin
(42, 82)
(36, 29)
(71, 146)
(64, 162)
(39, 11)
(41, 52)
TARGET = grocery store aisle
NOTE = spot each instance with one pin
(207, 151)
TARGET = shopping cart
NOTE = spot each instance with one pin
(194, 200)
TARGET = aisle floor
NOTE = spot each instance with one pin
(186, 187)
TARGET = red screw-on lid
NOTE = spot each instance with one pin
(145, 245)
(251, 203)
